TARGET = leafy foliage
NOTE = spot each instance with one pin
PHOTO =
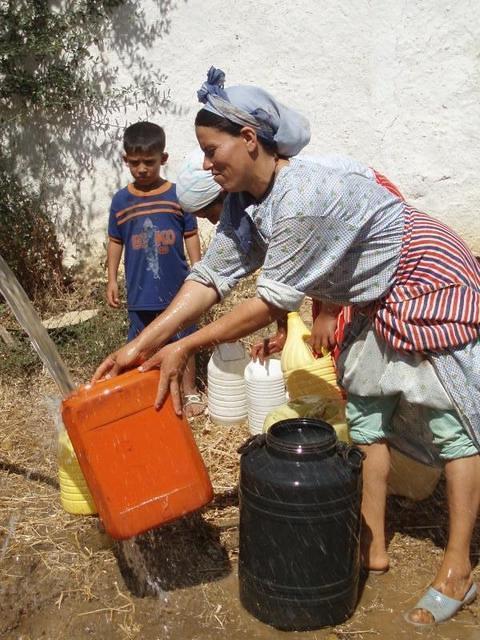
(44, 50)
(47, 72)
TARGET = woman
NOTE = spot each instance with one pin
(342, 239)
(199, 194)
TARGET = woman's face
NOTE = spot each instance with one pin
(227, 157)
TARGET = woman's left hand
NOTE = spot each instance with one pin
(172, 361)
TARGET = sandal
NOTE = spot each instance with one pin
(440, 606)
(193, 398)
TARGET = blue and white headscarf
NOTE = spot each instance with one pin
(255, 107)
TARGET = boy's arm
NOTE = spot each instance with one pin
(114, 255)
(192, 244)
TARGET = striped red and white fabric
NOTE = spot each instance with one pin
(435, 301)
(385, 182)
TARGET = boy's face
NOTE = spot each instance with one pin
(145, 167)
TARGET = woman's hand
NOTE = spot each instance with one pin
(125, 358)
(189, 303)
(323, 330)
(172, 361)
(268, 346)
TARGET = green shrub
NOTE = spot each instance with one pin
(28, 242)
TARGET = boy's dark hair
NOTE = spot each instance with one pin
(144, 137)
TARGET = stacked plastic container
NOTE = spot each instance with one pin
(227, 396)
(265, 391)
(74, 493)
(311, 383)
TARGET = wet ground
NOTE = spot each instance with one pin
(206, 611)
(62, 577)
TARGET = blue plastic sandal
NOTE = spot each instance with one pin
(440, 606)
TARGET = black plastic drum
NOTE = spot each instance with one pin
(300, 495)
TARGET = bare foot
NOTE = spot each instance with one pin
(373, 554)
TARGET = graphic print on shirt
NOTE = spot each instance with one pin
(153, 263)
(154, 242)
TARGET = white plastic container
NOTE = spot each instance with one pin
(265, 391)
(227, 396)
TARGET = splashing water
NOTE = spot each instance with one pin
(28, 318)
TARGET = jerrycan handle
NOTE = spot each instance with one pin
(352, 455)
(254, 442)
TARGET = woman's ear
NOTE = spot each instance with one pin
(249, 135)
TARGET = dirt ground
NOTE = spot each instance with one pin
(62, 577)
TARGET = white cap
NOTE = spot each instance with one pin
(196, 187)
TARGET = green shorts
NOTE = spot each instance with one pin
(369, 420)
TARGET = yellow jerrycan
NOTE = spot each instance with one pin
(329, 410)
(74, 493)
(311, 382)
(304, 374)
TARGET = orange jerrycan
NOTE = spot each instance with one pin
(141, 465)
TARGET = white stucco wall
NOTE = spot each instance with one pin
(393, 83)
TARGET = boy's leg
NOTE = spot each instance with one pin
(369, 418)
(193, 402)
(190, 391)
(138, 321)
(462, 471)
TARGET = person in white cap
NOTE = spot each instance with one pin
(197, 191)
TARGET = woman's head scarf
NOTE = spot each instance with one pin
(254, 107)
(196, 187)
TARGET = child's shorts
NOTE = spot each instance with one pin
(140, 319)
(370, 419)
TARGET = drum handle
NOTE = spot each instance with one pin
(254, 442)
(351, 454)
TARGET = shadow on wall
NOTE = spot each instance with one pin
(58, 153)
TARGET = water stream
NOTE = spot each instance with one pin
(28, 318)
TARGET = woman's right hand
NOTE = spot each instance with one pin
(125, 358)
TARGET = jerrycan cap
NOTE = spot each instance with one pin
(302, 437)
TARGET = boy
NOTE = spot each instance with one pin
(147, 221)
